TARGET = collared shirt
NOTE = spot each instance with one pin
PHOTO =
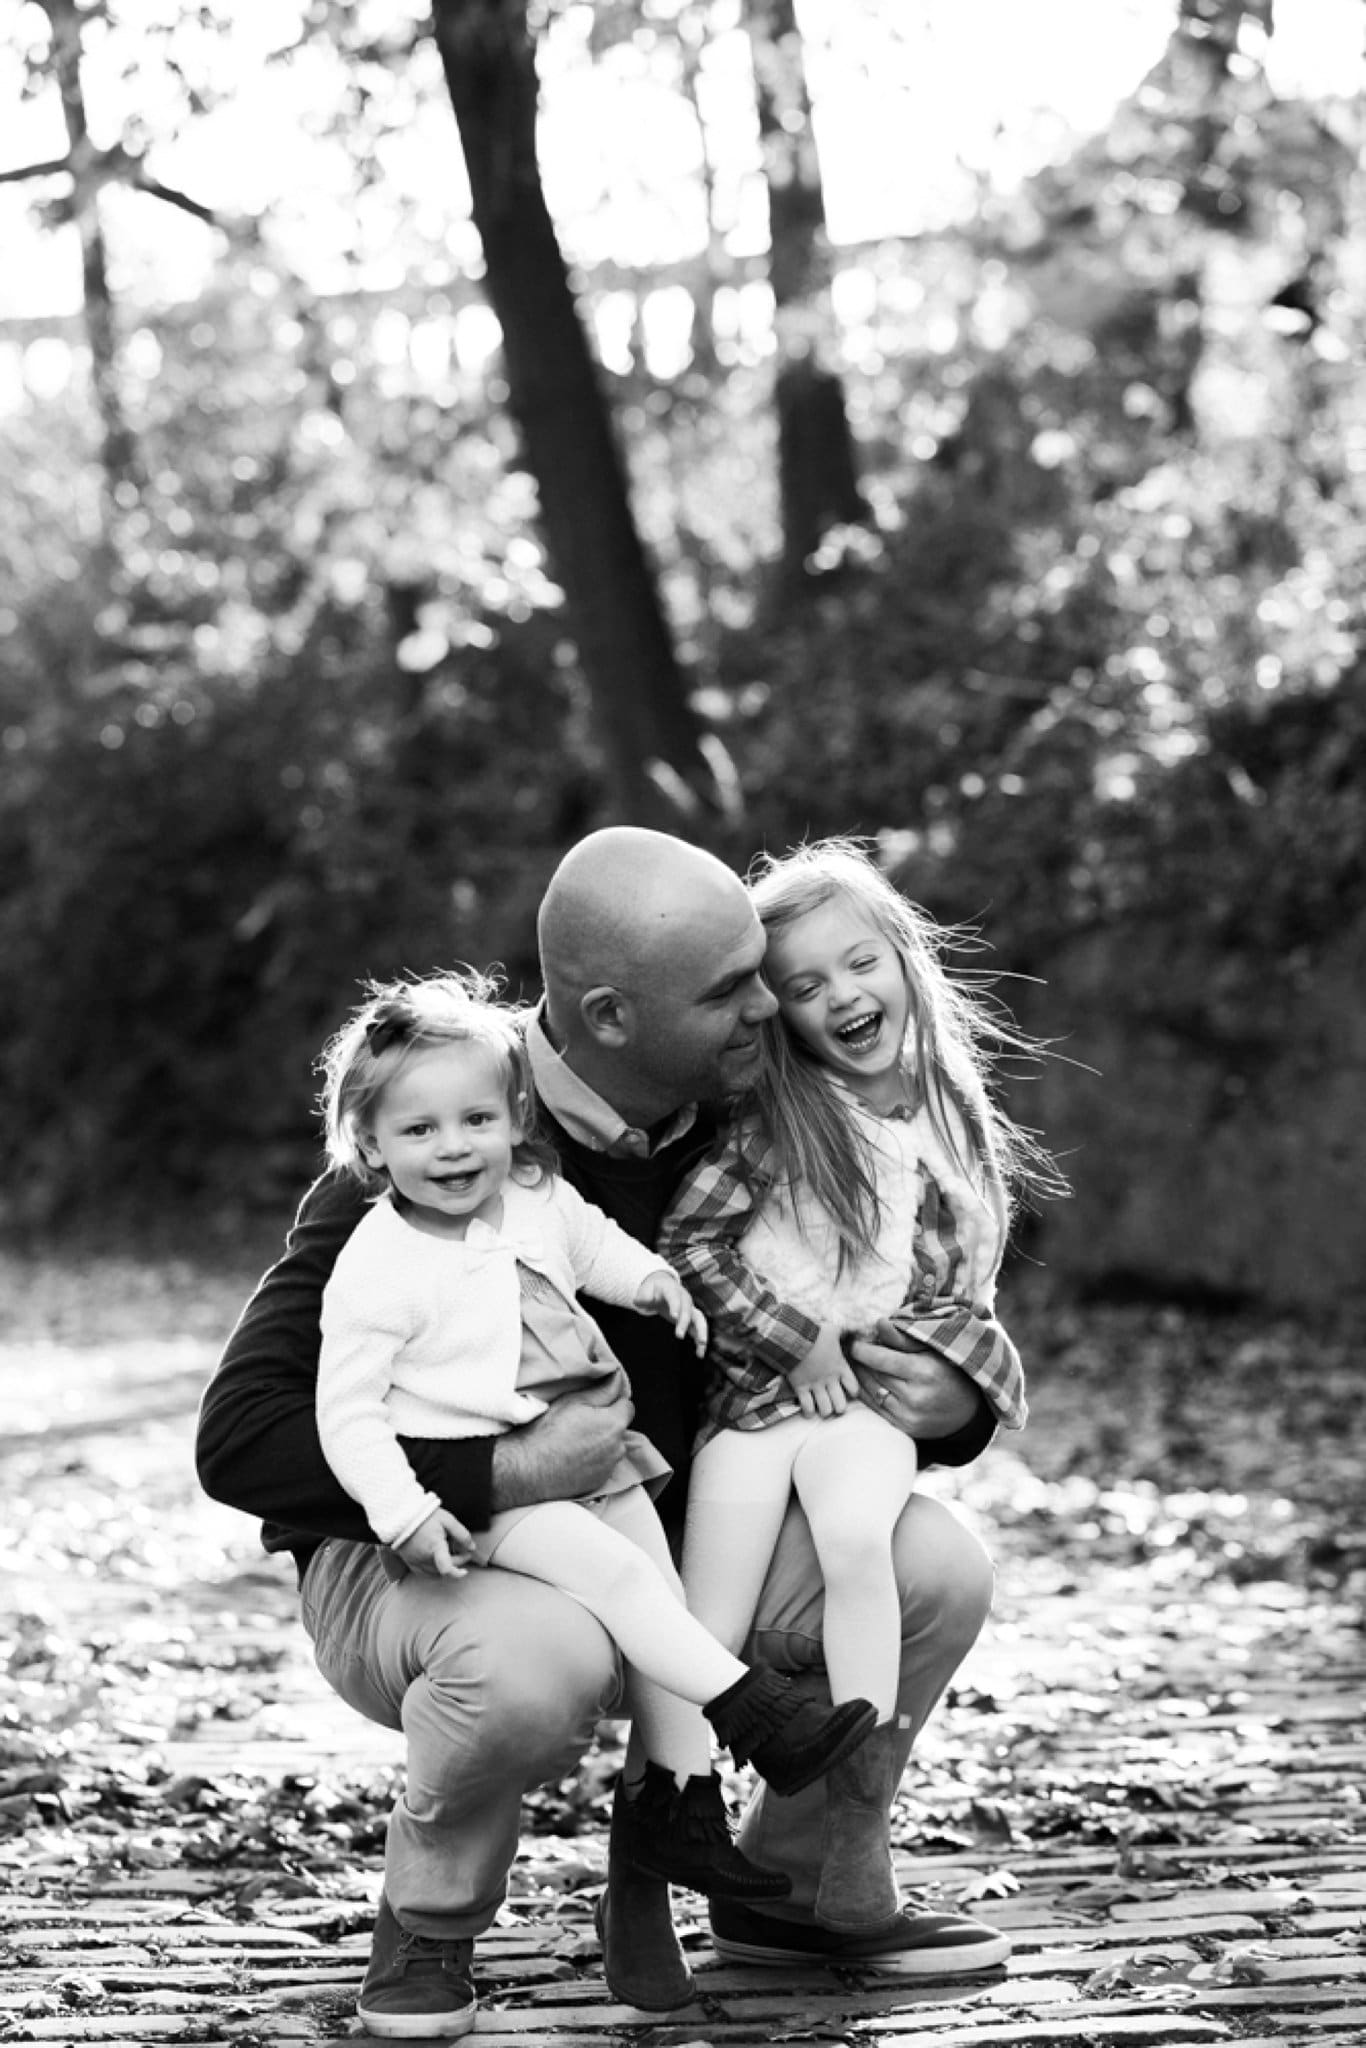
(581, 1110)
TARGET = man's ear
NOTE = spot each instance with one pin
(607, 1014)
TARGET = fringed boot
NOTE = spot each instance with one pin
(683, 1834)
(763, 1719)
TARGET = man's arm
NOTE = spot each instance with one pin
(968, 1339)
(569, 1452)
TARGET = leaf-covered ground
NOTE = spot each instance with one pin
(1149, 1770)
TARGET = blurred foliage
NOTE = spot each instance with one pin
(305, 709)
(1106, 674)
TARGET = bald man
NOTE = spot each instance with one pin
(651, 956)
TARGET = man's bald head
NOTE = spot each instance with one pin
(650, 953)
(620, 901)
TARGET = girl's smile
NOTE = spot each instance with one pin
(842, 991)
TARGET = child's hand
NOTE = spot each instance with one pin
(824, 1382)
(439, 1546)
(662, 1293)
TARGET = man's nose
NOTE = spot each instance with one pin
(760, 1002)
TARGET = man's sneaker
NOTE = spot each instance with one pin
(914, 1944)
(417, 1988)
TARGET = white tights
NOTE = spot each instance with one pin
(853, 1474)
(615, 1561)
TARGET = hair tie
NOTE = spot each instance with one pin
(390, 1027)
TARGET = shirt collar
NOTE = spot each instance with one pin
(582, 1112)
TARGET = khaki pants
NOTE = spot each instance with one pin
(497, 1681)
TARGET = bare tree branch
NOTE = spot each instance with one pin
(141, 181)
(48, 170)
(113, 167)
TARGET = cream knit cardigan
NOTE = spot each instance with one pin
(422, 1336)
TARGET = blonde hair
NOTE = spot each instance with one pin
(400, 1018)
(956, 1036)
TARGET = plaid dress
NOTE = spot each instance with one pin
(758, 1334)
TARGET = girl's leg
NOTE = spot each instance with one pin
(740, 1490)
(946, 1585)
(752, 1708)
(669, 1818)
(738, 1493)
(624, 1575)
(665, 1729)
(854, 1476)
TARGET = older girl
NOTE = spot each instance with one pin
(868, 1177)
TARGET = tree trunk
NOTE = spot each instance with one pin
(648, 731)
(817, 463)
(122, 467)
(818, 467)
(714, 266)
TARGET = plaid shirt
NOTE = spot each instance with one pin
(756, 1338)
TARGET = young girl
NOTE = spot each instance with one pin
(866, 1177)
(451, 1312)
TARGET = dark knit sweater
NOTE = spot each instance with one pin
(665, 1373)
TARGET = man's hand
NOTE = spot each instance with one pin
(567, 1452)
(911, 1385)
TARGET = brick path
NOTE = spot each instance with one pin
(1224, 1722)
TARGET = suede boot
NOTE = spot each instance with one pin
(857, 1889)
(642, 1959)
(683, 1834)
(765, 1720)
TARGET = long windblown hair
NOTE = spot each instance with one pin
(957, 1034)
(400, 1018)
